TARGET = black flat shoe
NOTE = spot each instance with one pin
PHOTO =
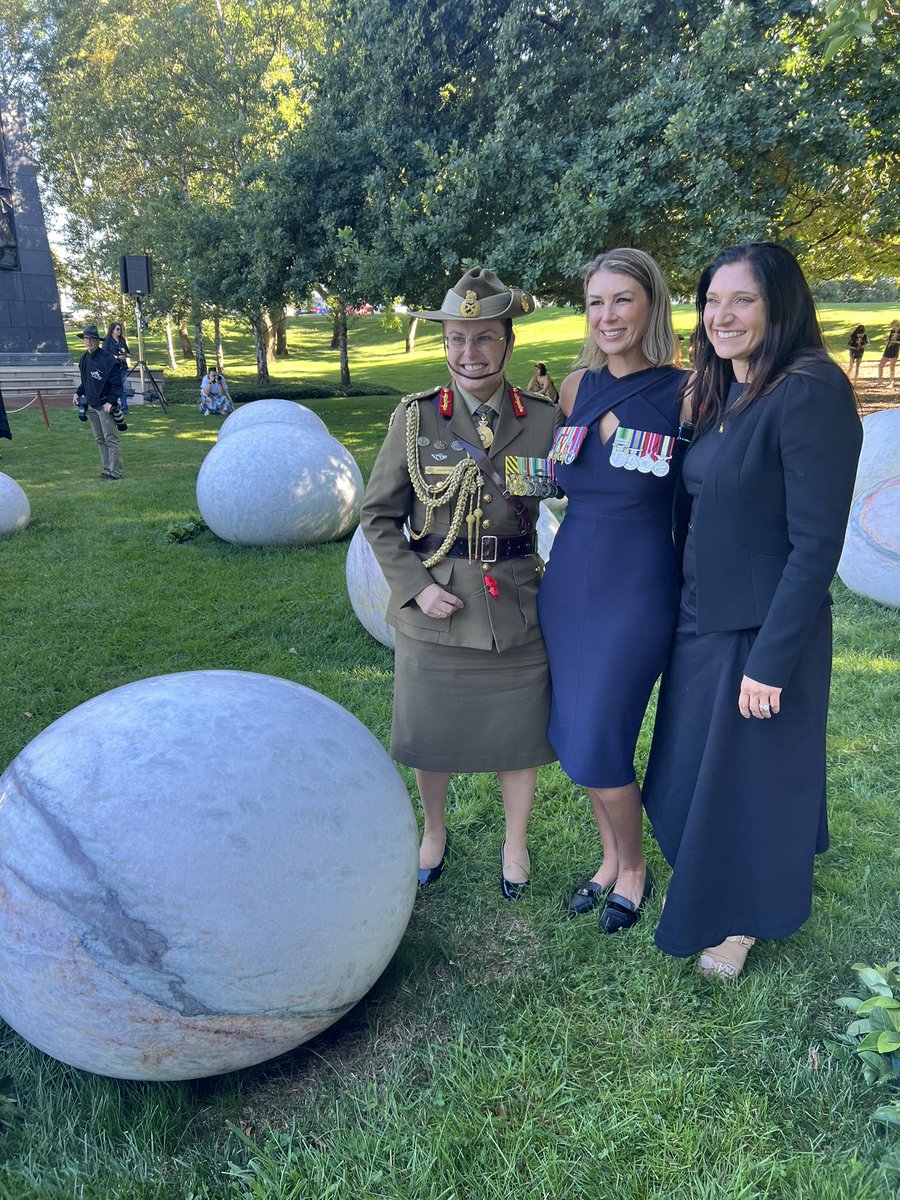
(511, 891)
(620, 913)
(430, 875)
(586, 897)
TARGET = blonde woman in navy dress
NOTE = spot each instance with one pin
(610, 595)
(735, 786)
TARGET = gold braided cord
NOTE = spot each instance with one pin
(463, 485)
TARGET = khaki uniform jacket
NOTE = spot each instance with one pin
(486, 622)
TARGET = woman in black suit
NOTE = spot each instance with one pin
(735, 786)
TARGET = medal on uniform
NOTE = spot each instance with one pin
(423, 441)
(484, 431)
(527, 476)
(645, 462)
(567, 443)
(440, 445)
(663, 455)
(618, 455)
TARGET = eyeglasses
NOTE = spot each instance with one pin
(482, 341)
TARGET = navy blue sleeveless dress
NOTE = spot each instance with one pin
(609, 598)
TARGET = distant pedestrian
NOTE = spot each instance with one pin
(214, 397)
(114, 343)
(891, 350)
(541, 383)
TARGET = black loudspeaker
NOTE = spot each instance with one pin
(135, 274)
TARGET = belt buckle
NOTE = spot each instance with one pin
(489, 556)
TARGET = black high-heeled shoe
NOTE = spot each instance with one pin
(430, 875)
(511, 891)
(619, 912)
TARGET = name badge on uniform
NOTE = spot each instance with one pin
(638, 450)
(530, 476)
(567, 443)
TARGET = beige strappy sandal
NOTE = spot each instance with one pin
(725, 961)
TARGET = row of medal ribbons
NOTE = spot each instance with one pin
(633, 449)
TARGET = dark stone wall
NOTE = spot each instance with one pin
(31, 325)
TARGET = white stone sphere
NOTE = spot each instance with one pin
(880, 455)
(262, 412)
(280, 485)
(368, 589)
(199, 871)
(15, 511)
(870, 562)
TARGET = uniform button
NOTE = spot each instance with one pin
(487, 497)
(486, 524)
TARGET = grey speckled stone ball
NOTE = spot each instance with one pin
(259, 412)
(172, 898)
(279, 485)
(15, 511)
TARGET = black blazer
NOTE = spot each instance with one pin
(770, 519)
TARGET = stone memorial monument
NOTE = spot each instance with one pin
(31, 326)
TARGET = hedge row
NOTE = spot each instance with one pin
(187, 391)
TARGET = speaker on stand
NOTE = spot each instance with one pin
(136, 276)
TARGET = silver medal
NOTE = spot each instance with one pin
(618, 458)
(660, 467)
(456, 444)
(423, 441)
(645, 464)
(440, 445)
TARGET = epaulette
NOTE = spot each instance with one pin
(420, 395)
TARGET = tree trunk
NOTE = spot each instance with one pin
(187, 350)
(269, 335)
(411, 334)
(258, 322)
(336, 326)
(170, 344)
(199, 352)
(279, 331)
(342, 332)
(217, 334)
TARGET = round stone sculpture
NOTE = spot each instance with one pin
(262, 412)
(368, 589)
(279, 485)
(171, 861)
(880, 455)
(870, 562)
(15, 511)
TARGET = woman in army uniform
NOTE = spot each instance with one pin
(462, 472)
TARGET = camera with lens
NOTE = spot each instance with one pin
(119, 417)
(82, 409)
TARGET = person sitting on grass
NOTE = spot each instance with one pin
(214, 397)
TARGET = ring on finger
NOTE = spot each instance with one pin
(765, 708)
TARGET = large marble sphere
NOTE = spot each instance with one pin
(368, 589)
(261, 412)
(880, 455)
(15, 511)
(198, 871)
(279, 485)
(870, 562)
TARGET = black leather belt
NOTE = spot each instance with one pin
(489, 548)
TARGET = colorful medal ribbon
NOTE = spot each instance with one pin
(640, 450)
(530, 476)
(567, 443)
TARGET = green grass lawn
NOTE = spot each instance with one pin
(505, 1053)
(376, 346)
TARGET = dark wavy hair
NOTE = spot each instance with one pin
(792, 340)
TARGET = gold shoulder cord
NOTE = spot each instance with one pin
(463, 485)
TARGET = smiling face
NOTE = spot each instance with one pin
(735, 316)
(477, 352)
(618, 310)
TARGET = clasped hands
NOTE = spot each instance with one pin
(435, 602)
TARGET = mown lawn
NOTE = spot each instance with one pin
(505, 1053)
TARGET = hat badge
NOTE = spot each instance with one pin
(470, 307)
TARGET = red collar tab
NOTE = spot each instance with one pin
(518, 404)
(445, 408)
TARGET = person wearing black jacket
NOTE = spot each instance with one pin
(5, 431)
(735, 784)
(97, 398)
(114, 343)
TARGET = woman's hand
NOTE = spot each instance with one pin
(758, 699)
(435, 602)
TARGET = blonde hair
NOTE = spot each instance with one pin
(658, 343)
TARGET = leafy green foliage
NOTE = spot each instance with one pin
(875, 1033)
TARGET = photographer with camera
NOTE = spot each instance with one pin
(98, 401)
(214, 397)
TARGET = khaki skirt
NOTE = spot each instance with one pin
(458, 709)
